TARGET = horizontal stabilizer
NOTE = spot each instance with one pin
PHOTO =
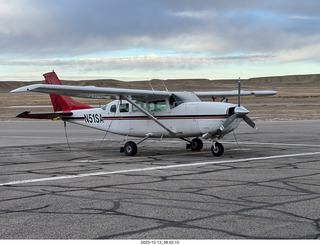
(52, 116)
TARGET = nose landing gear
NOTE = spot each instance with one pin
(217, 149)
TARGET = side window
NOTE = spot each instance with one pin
(142, 104)
(159, 105)
(124, 107)
(113, 108)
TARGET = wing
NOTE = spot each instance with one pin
(226, 94)
(94, 92)
(138, 94)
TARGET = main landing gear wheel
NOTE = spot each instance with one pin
(130, 148)
(217, 149)
(196, 144)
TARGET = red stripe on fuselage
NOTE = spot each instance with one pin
(147, 118)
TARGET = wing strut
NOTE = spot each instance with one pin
(148, 114)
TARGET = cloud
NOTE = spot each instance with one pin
(56, 28)
(149, 62)
(299, 17)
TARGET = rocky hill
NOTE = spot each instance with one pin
(298, 96)
(187, 84)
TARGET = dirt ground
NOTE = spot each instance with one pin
(298, 96)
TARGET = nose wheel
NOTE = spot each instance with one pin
(217, 149)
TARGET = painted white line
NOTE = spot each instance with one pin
(46, 138)
(262, 143)
(157, 168)
(241, 142)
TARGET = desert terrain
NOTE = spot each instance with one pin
(298, 96)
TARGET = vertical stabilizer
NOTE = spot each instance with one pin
(62, 102)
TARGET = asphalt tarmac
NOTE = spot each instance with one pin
(267, 187)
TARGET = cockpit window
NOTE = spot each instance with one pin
(113, 108)
(124, 107)
(174, 101)
(159, 105)
(142, 104)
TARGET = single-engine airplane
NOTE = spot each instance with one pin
(147, 113)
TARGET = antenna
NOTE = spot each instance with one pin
(239, 92)
(151, 85)
(164, 85)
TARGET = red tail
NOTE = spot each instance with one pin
(62, 102)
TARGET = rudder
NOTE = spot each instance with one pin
(62, 102)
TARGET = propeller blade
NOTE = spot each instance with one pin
(228, 121)
(249, 122)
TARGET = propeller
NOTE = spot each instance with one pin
(239, 112)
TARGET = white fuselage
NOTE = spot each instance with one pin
(188, 119)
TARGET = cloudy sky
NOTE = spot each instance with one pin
(145, 39)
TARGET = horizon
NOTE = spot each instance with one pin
(173, 79)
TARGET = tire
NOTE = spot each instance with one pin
(130, 148)
(196, 144)
(218, 150)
